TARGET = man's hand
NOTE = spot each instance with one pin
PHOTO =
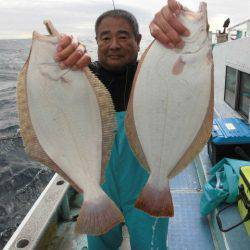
(166, 27)
(71, 54)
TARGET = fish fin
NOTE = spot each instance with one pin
(156, 202)
(51, 29)
(210, 57)
(130, 128)
(98, 216)
(107, 112)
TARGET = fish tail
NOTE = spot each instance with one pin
(155, 200)
(98, 216)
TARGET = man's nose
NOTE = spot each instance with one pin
(114, 44)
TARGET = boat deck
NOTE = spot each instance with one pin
(187, 230)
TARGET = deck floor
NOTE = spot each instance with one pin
(188, 230)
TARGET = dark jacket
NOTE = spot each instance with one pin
(118, 83)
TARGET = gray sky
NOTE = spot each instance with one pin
(18, 18)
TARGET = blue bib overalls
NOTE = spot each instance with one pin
(124, 180)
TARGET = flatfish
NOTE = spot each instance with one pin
(67, 122)
(170, 111)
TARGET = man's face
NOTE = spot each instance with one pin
(117, 44)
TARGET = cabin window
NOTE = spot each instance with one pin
(244, 94)
(230, 87)
(237, 91)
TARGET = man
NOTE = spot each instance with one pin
(118, 40)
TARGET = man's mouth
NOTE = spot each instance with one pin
(115, 56)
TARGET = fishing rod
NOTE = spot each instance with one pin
(113, 4)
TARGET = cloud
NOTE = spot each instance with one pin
(25, 16)
(18, 18)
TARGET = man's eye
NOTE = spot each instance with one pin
(105, 39)
(123, 37)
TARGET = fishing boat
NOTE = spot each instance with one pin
(50, 222)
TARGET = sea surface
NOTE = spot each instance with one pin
(21, 179)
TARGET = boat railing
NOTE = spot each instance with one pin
(40, 222)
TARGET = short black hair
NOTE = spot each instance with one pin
(130, 18)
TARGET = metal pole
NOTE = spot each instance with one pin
(113, 4)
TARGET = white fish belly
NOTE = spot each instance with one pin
(66, 118)
(169, 109)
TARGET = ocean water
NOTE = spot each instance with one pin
(13, 54)
(21, 179)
